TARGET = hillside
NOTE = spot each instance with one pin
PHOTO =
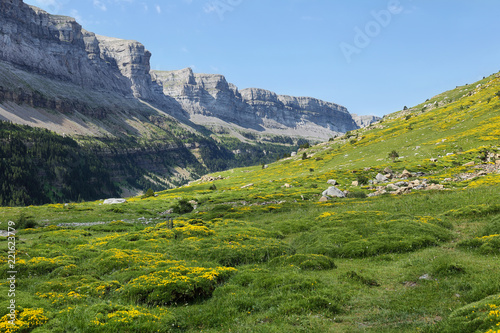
(413, 247)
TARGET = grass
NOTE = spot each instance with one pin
(272, 258)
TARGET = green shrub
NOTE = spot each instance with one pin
(183, 207)
(25, 222)
(356, 194)
(393, 155)
(149, 193)
(362, 180)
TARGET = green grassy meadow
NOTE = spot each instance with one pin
(260, 253)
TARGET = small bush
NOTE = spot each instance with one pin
(25, 222)
(393, 155)
(149, 193)
(183, 207)
(362, 180)
(356, 194)
(212, 187)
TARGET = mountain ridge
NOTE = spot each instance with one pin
(58, 47)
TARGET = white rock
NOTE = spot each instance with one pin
(333, 192)
(114, 201)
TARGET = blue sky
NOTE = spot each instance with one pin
(372, 56)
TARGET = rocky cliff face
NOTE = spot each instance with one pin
(364, 121)
(56, 47)
(211, 96)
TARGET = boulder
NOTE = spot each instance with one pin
(323, 199)
(406, 174)
(388, 170)
(392, 187)
(381, 178)
(355, 183)
(403, 190)
(435, 187)
(332, 182)
(114, 201)
(377, 193)
(333, 192)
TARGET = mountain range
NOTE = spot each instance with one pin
(102, 92)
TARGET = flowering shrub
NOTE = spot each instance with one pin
(26, 320)
(482, 316)
(177, 283)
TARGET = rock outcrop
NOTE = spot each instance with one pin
(210, 95)
(364, 121)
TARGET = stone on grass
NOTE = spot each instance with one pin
(333, 192)
(406, 174)
(323, 199)
(114, 201)
(355, 183)
(388, 170)
(332, 182)
(392, 187)
(381, 178)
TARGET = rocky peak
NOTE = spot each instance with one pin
(57, 48)
(131, 59)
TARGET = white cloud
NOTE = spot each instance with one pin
(100, 5)
(158, 9)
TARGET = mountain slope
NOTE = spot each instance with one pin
(260, 249)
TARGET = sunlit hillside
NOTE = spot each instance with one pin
(413, 246)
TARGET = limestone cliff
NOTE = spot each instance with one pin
(208, 96)
(58, 50)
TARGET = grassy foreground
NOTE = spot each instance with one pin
(260, 253)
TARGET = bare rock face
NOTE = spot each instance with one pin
(131, 59)
(55, 46)
(58, 48)
(210, 95)
(364, 121)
